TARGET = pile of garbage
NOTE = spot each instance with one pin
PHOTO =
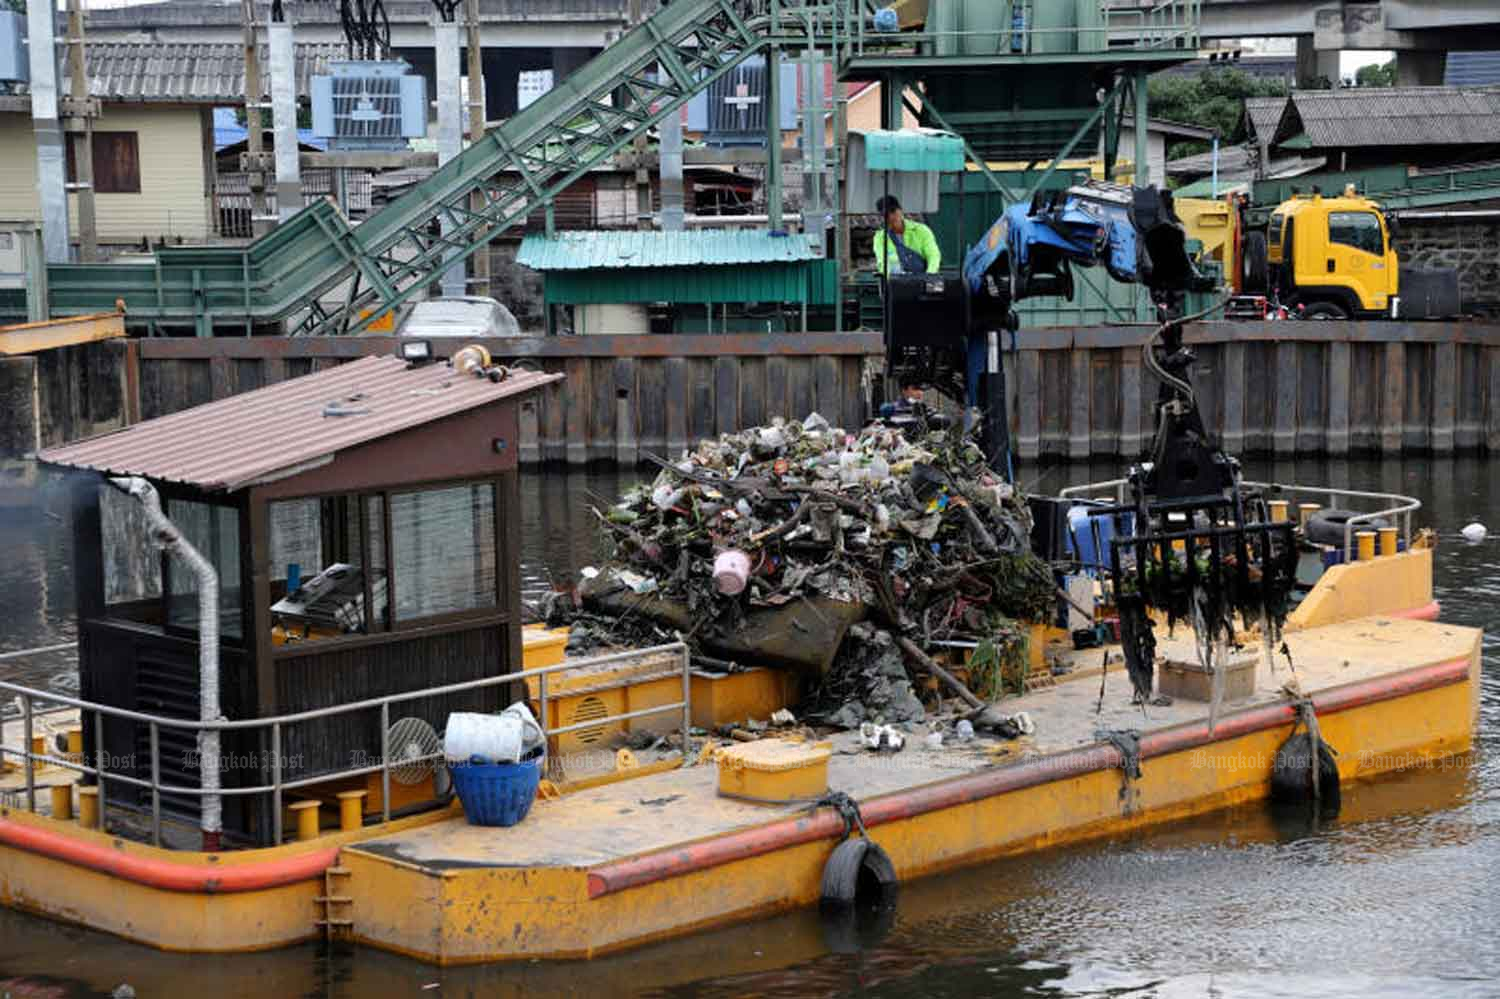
(771, 544)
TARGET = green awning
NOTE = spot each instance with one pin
(914, 151)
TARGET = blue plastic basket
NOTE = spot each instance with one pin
(497, 794)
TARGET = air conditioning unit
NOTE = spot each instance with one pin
(15, 63)
(369, 105)
(732, 112)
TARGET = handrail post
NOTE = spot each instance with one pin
(99, 764)
(155, 786)
(276, 830)
(687, 702)
(28, 735)
(385, 761)
(541, 698)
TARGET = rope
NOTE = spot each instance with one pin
(848, 810)
(1128, 742)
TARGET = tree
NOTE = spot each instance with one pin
(1214, 99)
(1376, 76)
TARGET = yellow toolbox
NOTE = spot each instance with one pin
(775, 771)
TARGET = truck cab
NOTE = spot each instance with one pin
(1332, 257)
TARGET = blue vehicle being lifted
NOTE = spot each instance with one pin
(1134, 233)
(943, 329)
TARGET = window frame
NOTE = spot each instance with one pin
(171, 566)
(130, 137)
(396, 628)
(1358, 213)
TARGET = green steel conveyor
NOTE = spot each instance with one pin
(319, 274)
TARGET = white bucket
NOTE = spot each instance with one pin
(503, 738)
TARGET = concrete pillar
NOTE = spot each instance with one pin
(672, 208)
(51, 157)
(1315, 65)
(773, 137)
(450, 124)
(284, 119)
(1421, 68)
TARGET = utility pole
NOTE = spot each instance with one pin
(51, 157)
(79, 121)
(481, 260)
(283, 53)
(254, 140)
(450, 122)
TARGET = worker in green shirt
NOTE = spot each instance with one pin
(904, 246)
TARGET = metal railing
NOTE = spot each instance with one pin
(34, 703)
(1397, 510)
(1133, 26)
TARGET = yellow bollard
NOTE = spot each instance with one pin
(1364, 542)
(62, 802)
(307, 819)
(75, 745)
(39, 748)
(1306, 510)
(1278, 510)
(88, 807)
(1388, 541)
(352, 810)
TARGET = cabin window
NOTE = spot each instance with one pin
(328, 565)
(1360, 230)
(131, 561)
(443, 551)
(117, 162)
(215, 532)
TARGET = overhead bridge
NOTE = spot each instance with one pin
(319, 274)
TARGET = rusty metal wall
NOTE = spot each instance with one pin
(1267, 388)
(622, 394)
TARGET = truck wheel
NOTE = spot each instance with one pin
(1324, 311)
(1254, 267)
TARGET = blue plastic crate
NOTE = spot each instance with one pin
(497, 794)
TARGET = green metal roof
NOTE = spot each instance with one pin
(914, 151)
(572, 251)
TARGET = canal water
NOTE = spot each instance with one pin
(1399, 896)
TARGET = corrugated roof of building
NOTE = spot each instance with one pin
(571, 251)
(259, 435)
(1264, 115)
(1398, 116)
(913, 150)
(187, 72)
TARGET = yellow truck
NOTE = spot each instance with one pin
(1331, 258)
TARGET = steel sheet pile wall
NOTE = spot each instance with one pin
(622, 395)
(1267, 388)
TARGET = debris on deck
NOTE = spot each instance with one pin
(840, 555)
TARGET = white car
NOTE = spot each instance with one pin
(469, 316)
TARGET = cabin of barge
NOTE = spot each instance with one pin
(361, 523)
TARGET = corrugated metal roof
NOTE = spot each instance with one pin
(250, 437)
(914, 150)
(187, 73)
(1399, 116)
(571, 251)
(1265, 114)
(1472, 69)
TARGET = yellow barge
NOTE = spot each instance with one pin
(661, 854)
(283, 839)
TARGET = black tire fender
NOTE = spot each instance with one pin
(857, 865)
(1326, 527)
(1291, 774)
